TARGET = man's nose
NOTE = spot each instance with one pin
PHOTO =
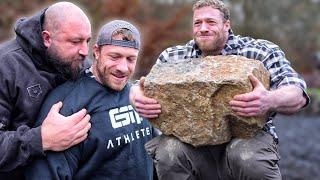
(84, 49)
(122, 65)
(204, 27)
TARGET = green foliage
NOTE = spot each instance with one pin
(315, 91)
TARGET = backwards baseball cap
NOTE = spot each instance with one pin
(106, 32)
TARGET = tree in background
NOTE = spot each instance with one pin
(293, 24)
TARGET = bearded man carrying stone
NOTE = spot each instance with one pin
(253, 158)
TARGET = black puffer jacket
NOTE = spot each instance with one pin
(25, 79)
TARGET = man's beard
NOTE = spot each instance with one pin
(104, 77)
(64, 66)
(211, 47)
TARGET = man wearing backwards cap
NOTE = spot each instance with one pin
(114, 148)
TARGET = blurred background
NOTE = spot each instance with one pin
(292, 24)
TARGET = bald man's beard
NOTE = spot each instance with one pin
(68, 67)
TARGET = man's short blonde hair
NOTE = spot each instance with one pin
(216, 4)
(123, 34)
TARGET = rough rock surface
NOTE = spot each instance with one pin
(194, 95)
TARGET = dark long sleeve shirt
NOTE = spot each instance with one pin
(114, 148)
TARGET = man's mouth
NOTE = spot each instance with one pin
(120, 77)
(205, 37)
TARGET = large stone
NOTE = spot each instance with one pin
(195, 93)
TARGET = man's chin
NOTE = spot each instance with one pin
(204, 44)
(117, 86)
(206, 48)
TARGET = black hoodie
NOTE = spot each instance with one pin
(25, 79)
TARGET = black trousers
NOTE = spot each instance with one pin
(254, 158)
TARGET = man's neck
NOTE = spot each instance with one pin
(95, 73)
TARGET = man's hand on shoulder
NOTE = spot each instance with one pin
(146, 107)
(59, 132)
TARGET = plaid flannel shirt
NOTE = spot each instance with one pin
(272, 57)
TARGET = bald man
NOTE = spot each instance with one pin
(49, 49)
(114, 148)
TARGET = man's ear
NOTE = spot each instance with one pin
(227, 26)
(96, 51)
(46, 36)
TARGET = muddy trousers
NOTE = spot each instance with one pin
(256, 158)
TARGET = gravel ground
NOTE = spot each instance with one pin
(299, 146)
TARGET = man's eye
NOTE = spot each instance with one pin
(114, 56)
(75, 41)
(196, 23)
(131, 59)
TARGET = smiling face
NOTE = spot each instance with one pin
(210, 30)
(114, 65)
